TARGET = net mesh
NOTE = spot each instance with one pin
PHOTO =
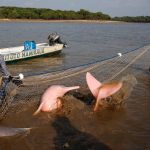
(107, 70)
(104, 70)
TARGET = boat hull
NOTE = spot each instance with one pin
(28, 54)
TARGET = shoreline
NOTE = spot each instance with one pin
(60, 21)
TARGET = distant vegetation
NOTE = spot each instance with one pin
(49, 14)
(145, 19)
(39, 13)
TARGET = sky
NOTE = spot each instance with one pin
(110, 7)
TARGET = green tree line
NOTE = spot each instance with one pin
(41, 13)
(49, 14)
(145, 19)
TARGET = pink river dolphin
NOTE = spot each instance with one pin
(101, 91)
(6, 132)
(50, 99)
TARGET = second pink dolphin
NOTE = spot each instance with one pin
(50, 99)
(101, 91)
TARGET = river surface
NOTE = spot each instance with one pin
(128, 129)
(86, 42)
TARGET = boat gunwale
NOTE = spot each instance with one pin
(32, 51)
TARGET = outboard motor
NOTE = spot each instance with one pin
(55, 38)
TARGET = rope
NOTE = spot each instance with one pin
(136, 58)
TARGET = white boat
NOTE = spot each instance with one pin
(31, 49)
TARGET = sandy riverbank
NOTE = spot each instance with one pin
(68, 21)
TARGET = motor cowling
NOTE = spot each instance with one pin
(54, 38)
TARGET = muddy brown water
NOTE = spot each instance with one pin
(76, 126)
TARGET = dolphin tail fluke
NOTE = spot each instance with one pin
(107, 90)
(38, 110)
(93, 84)
(96, 105)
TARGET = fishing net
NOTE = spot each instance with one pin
(115, 68)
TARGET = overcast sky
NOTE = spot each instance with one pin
(110, 7)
